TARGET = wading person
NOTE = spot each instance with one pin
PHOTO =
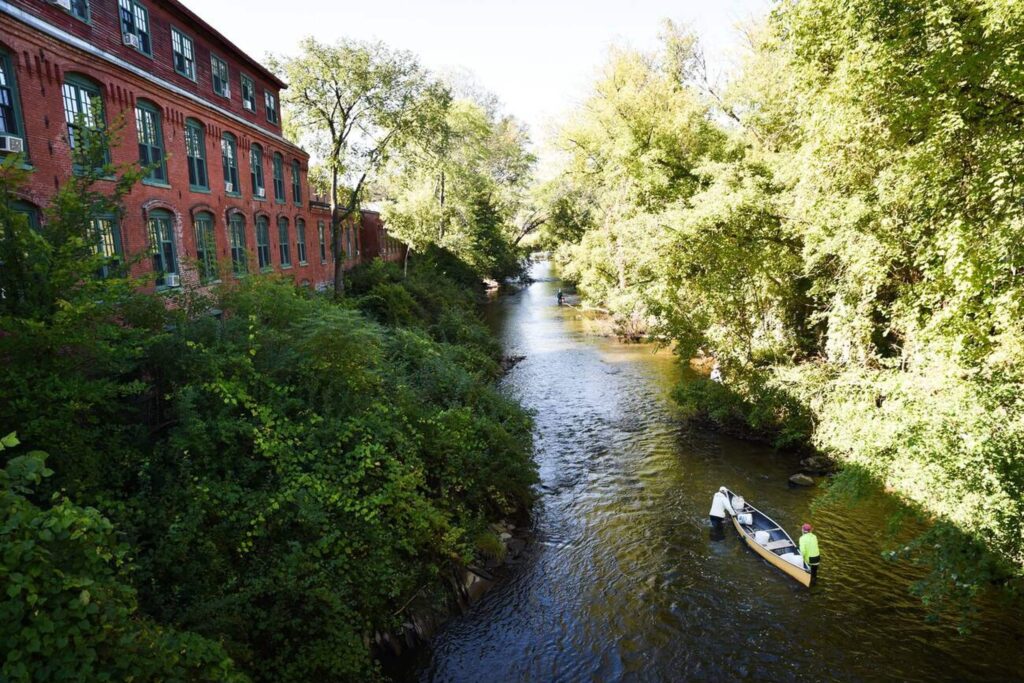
(720, 505)
(809, 550)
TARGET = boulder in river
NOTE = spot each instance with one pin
(817, 464)
(801, 479)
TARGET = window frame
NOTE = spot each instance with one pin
(284, 249)
(101, 245)
(143, 107)
(10, 84)
(270, 104)
(92, 90)
(256, 176)
(183, 38)
(232, 176)
(264, 259)
(206, 249)
(135, 8)
(296, 183)
(86, 15)
(252, 86)
(280, 194)
(226, 79)
(156, 251)
(301, 251)
(196, 164)
(321, 233)
(236, 240)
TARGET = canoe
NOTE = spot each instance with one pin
(772, 543)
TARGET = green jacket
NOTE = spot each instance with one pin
(809, 546)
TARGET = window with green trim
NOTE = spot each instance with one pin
(161, 244)
(284, 248)
(135, 22)
(321, 234)
(271, 103)
(10, 104)
(279, 195)
(263, 242)
(259, 188)
(296, 184)
(151, 141)
(229, 160)
(300, 241)
(83, 111)
(219, 76)
(184, 54)
(206, 247)
(106, 242)
(195, 155)
(79, 9)
(239, 255)
(248, 93)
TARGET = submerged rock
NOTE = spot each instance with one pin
(817, 464)
(801, 479)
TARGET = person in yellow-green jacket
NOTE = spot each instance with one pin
(809, 550)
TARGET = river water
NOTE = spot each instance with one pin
(623, 582)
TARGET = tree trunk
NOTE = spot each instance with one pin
(405, 268)
(339, 257)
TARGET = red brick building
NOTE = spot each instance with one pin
(228, 195)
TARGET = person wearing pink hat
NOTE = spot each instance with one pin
(809, 550)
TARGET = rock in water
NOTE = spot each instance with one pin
(801, 479)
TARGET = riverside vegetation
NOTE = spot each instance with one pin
(238, 483)
(841, 229)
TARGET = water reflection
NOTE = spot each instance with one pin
(624, 582)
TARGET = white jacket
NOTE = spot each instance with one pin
(720, 505)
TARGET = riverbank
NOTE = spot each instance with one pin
(277, 483)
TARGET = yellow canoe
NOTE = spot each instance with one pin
(768, 539)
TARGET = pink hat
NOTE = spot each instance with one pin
(807, 527)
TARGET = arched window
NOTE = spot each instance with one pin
(161, 243)
(282, 242)
(239, 255)
(83, 113)
(229, 160)
(259, 188)
(279, 195)
(151, 141)
(11, 124)
(206, 247)
(296, 184)
(263, 242)
(195, 152)
(300, 241)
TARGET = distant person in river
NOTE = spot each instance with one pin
(720, 505)
(560, 297)
(809, 550)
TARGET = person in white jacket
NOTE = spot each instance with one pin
(720, 506)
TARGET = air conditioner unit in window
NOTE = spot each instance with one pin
(63, 4)
(132, 40)
(261, 192)
(10, 143)
(229, 187)
(172, 280)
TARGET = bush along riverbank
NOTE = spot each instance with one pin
(249, 483)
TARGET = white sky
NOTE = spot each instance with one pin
(537, 56)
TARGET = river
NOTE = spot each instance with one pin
(622, 581)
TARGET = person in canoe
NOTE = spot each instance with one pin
(720, 505)
(809, 550)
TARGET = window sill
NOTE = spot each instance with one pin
(303, 263)
(233, 194)
(156, 183)
(239, 276)
(200, 190)
(267, 269)
(286, 267)
(259, 199)
(280, 201)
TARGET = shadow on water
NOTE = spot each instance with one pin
(623, 582)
